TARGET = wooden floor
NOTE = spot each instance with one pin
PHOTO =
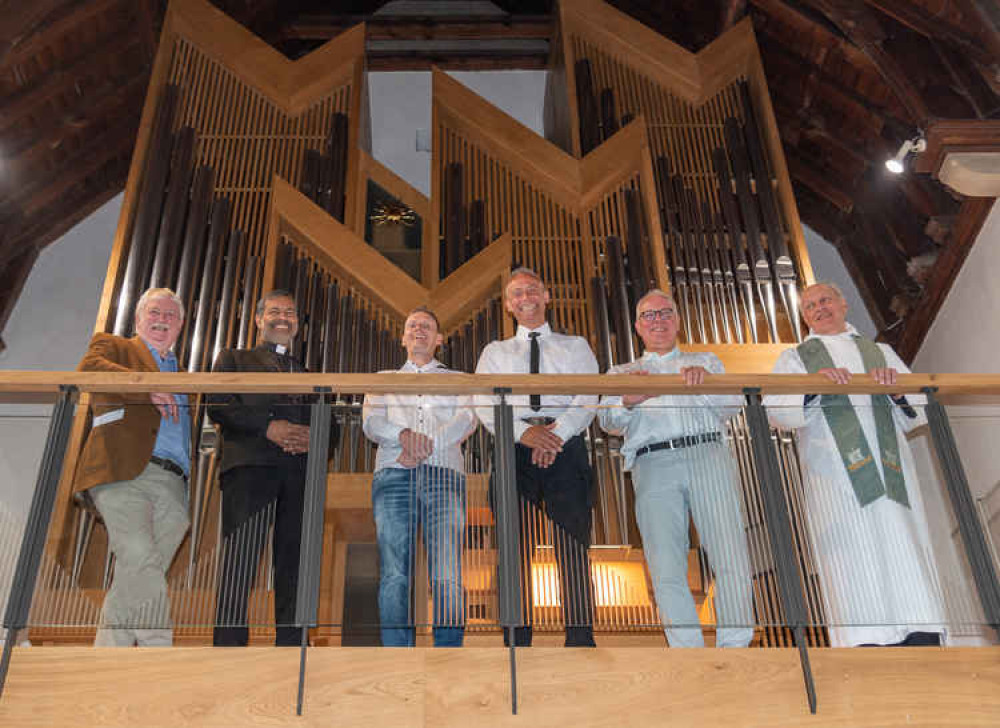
(82, 686)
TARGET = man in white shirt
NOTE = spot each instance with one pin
(680, 465)
(419, 480)
(863, 502)
(553, 469)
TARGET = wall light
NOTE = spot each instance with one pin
(915, 145)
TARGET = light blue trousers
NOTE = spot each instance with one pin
(700, 480)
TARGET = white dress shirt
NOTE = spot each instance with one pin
(560, 354)
(668, 416)
(446, 419)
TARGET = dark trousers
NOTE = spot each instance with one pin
(252, 499)
(563, 490)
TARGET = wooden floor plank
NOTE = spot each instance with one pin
(622, 686)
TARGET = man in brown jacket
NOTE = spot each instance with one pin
(134, 466)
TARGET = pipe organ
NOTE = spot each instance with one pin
(659, 168)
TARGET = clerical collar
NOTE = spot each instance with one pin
(523, 331)
(279, 349)
(673, 353)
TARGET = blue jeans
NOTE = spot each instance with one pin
(433, 498)
(702, 481)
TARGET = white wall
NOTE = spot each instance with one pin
(963, 339)
(401, 104)
(49, 329)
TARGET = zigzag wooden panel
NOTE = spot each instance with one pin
(224, 115)
(607, 70)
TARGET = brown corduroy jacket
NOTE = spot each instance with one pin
(123, 427)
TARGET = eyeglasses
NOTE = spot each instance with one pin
(663, 313)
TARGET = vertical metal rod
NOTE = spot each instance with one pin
(976, 548)
(505, 494)
(314, 505)
(33, 541)
(779, 527)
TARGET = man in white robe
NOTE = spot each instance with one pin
(863, 503)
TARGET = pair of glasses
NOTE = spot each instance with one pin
(663, 313)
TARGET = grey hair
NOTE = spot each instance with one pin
(276, 293)
(525, 271)
(154, 293)
(825, 284)
(650, 294)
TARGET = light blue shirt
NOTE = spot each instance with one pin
(173, 441)
(668, 416)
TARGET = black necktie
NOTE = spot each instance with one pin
(536, 357)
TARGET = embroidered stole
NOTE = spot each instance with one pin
(850, 438)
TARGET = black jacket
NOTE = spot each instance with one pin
(244, 418)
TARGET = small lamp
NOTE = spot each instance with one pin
(915, 145)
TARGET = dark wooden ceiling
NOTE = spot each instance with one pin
(849, 79)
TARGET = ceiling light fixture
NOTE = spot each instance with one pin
(916, 145)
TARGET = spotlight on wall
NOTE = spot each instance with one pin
(915, 145)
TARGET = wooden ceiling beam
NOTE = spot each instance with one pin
(863, 30)
(90, 63)
(118, 137)
(21, 19)
(984, 48)
(818, 180)
(381, 27)
(772, 45)
(415, 61)
(106, 102)
(54, 27)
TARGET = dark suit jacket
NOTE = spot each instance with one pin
(123, 426)
(244, 418)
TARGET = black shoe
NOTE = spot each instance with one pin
(522, 637)
(580, 637)
(922, 639)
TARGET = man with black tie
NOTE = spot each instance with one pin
(553, 470)
(265, 439)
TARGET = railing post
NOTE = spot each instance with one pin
(779, 527)
(313, 512)
(506, 513)
(983, 569)
(33, 541)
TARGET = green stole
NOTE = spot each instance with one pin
(846, 427)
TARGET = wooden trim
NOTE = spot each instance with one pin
(545, 164)
(971, 219)
(15, 382)
(957, 135)
(468, 287)
(611, 163)
(644, 48)
(372, 169)
(342, 251)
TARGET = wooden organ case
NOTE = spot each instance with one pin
(659, 168)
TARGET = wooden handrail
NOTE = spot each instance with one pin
(49, 382)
